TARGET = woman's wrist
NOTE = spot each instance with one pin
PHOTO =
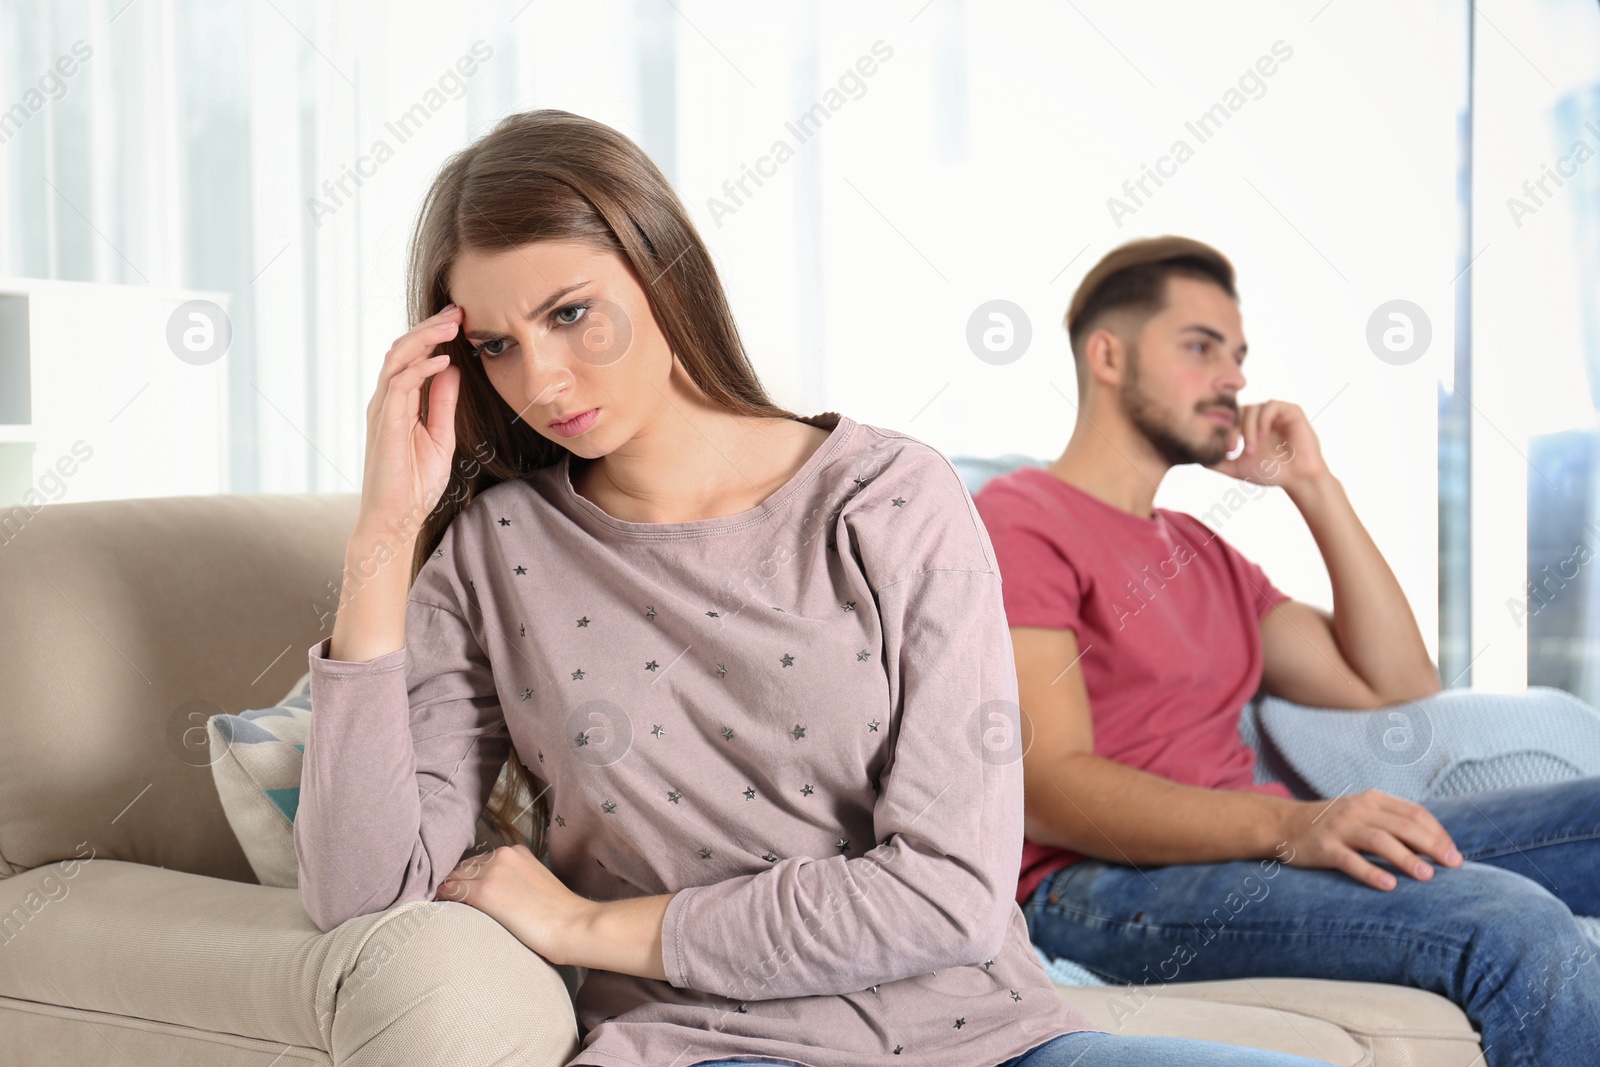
(372, 540)
(617, 935)
(373, 589)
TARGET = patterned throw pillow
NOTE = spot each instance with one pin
(256, 759)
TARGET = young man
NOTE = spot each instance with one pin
(1139, 635)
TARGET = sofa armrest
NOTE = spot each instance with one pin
(425, 982)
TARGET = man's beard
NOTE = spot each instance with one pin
(1148, 419)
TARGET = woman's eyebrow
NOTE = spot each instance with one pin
(549, 302)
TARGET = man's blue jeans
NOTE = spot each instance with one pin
(1495, 935)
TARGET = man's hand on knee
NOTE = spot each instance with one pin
(1335, 833)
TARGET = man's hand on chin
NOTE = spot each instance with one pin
(1280, 447)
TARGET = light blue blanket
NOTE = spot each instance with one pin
(1456, 742)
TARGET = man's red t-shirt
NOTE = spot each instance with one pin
(1167, 616)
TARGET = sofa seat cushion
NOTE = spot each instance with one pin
(149, 959)
(434, 979)
(1118, 1012)
(43, 1035)
(1341, 1022)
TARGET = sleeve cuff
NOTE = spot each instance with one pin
(317, 657)
(1267, 601)
(1039, 618)
(672, 962)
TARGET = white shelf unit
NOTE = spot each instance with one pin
(95, 405)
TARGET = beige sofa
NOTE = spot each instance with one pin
(132, 931)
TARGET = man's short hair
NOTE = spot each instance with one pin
(1133, 277)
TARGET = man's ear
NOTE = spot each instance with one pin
(1105, 357)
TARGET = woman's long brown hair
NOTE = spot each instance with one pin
(553, 175)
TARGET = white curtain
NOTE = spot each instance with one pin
(939, 155)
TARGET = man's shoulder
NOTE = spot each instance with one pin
(1194, 529)
(1207, 544)
(1012, 496)
(1184, 521)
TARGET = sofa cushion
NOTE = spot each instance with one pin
(1394, 1024)
(173, 968)
(256, 758)
(130, 622)
(424, 982)
(1173, 1015)
(44, 1035)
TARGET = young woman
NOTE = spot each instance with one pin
(756, 663)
